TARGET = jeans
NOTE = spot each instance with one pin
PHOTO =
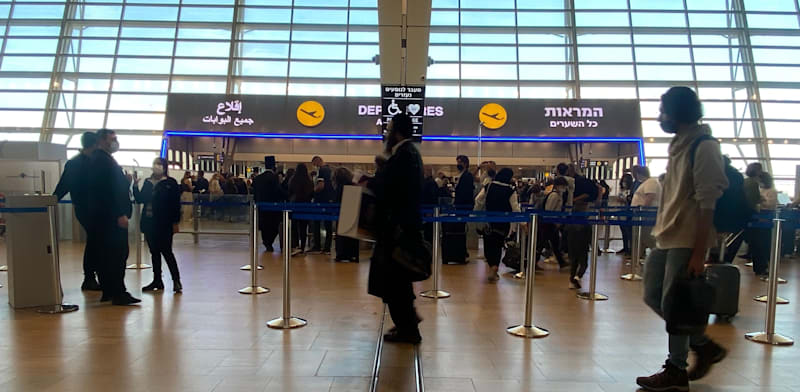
(579, 237)
(160, 243)
(661, 270)
(548, 238)
(317, 230)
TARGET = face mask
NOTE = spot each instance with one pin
(158, 170)
(460, 167)
(114, 146)
(668, 126)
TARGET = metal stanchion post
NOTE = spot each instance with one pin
(437, 264)
(592, 294)
(636, 251)
(195, 219)
(765, 298)
(287, 321)
(522, 244)
(137, 242)
(607, 239)
(769, 336)
(253, 221)
(254, 288)
(60, 306)
(527, 329)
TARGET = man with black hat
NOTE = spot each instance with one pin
(267, 189)
(75, 182)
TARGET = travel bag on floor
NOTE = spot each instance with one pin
(453, 247)
(725, 279)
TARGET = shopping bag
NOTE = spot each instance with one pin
(688, 305)
(357, 216)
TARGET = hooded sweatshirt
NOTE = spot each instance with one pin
(687, 189)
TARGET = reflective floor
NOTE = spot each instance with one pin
(211, 338)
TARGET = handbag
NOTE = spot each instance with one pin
(412, 255)
(688, 305)
(513, 256)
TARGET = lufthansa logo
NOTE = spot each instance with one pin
(310, 113)
(493, 116)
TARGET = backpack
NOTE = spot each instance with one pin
(731, 212)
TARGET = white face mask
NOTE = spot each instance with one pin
(158, 170)
(114, 146)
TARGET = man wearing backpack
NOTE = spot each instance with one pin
(739, 211)
(684, 230)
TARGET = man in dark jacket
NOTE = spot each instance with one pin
(110, 208)
(266, 189)
(464, 200)
(75, 182)
(398, 189)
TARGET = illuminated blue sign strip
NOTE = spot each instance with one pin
(501, 139)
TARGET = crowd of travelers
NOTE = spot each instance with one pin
(700, 195)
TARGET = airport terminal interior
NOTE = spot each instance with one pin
(231, 97)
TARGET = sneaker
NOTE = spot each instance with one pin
(297, 252)
(573, 286)
(550, 260)
(669, 379)
(576, 281)
(270, 249)
(707, 355)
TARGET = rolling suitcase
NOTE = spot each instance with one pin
(724, 278)
(454, 244)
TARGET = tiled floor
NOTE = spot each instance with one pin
(211, 338)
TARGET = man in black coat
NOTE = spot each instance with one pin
(266, 189)
(464, 200)
(398, 190)
(110, 208)
(75, 181)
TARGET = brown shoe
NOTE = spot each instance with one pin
(707, 355)
(669, 379)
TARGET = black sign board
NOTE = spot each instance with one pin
(585, 118)
(403, 99)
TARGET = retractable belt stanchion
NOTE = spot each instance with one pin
(592, 294)
(253, 220)
(637, 249)
(437, 264)
(774, 259)
(60, 306)
(287, 321)
(196, 219)
(522, 243)
(527, 329)
(254, 288)
(769, 336)
(137, 217)
(607, 239)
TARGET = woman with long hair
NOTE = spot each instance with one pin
(301, 190)
(187, 196)
(161, 196)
